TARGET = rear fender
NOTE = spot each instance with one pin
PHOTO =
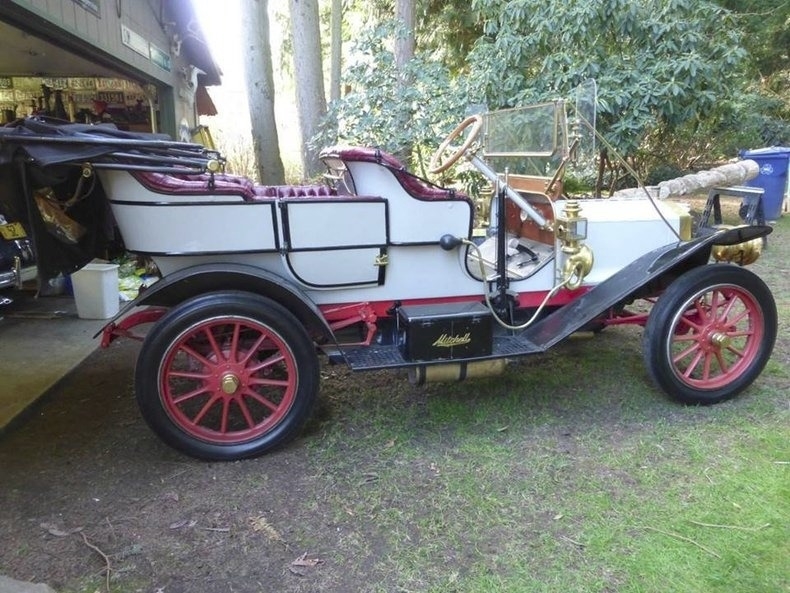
(190, 282)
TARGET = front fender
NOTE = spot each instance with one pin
(740, 234)
(201, 279)
(645, 276)
(697, 251)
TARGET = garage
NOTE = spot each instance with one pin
(140, 66)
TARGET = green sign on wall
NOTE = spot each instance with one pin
(93, 5)
(160, 58)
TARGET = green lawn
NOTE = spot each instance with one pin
(569, 473)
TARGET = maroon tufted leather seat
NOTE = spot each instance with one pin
(292, 191)
(413, 185)
(224, 184)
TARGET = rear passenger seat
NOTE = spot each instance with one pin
(225, 184)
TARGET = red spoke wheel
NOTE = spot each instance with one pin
(710, 334)
(227, 375)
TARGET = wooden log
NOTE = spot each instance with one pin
(725, 176)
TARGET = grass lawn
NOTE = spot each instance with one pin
(569, 473)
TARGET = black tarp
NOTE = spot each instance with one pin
(45, 154)
(50, 143)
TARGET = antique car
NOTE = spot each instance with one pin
(17, 258)
(377, 268)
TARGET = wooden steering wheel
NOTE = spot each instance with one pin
(436, 165)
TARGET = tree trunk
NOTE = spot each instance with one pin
(404, 51)
(337, 49)
(309, 78)
(405, 44)
(260, 92)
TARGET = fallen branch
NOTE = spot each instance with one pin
(303, 562)
(705, 473)
(761, 527)
(573, 541)
(683, 538)
(107, 568)
(112, 529)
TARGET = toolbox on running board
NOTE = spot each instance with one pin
(444, 332)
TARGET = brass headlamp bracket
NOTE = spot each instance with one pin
(571, 230)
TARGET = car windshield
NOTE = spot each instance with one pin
(534, 140)
(527, 140)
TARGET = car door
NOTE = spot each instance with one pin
(336, 241)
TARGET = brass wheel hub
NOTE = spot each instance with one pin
(230, 383)
(720, 340)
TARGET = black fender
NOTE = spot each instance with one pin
(740, 234)
(646, 276)
(204, 278)
(675, 259)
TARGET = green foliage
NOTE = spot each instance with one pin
(747, 121)
(663, 172)
(381, 110)
(765, 113)
(448, 30)
(660, 64)
(676, 85)
(576, 184)
(471, 182)
(768, 25)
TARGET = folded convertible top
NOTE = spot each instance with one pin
(52, 142)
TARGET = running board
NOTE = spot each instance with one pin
(370, 358)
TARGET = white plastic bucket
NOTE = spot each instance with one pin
(96, 291)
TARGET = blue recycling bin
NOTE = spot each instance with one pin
(773, 163)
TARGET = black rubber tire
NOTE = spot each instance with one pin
(738, 344)
(207, 354)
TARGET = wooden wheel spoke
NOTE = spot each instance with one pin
(245, 411)
(209, 333)
(272, 360)
(260, 399)
(741, 316)
(189, 375)
(685, 353)
(727, 306)
(223, 426)
(180, 399)
(189, 351)
(723, 365)
(706, 366)
(685, 338)
(693, 364)
(714, 302)
(703, 311)
(697, 327)
(234, 341)
(741, 334)
(270, 382)
(253, 349)
(204, 410)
